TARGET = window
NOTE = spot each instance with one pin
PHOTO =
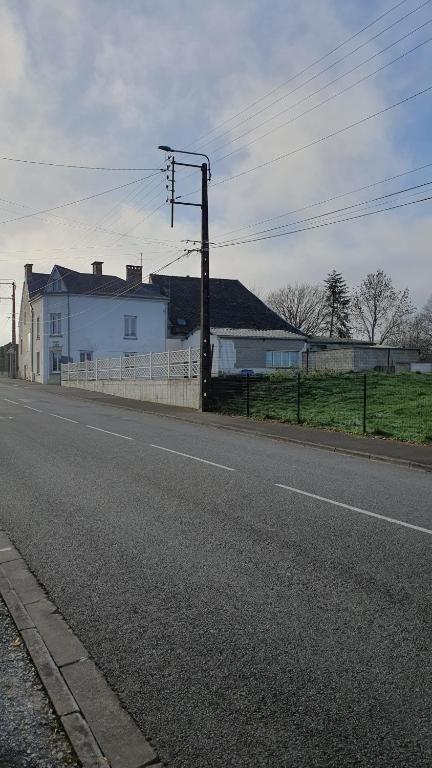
(56, 285)
(282, 359)
(55, 323)
(85, 356)
(25, 317)
(55, 361)
(38, 327)
(130, 325)
(129, 354)
(37, 362)
(21, 346)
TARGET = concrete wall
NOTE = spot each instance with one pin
(182, 392)
(368, 358)
(329, 359)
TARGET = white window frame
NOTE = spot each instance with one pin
(56, 286)
(282, 358)
(85, 356)
(38, 327)
(55, 323)
(130, 326)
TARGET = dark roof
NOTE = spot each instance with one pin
(232, 305)
(97, 285)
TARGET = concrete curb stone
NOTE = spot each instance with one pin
(83, 741)
(120, 738)
(57, 690)
(16, 608)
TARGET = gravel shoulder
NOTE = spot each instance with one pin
(31, 735)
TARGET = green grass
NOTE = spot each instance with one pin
(398, 406)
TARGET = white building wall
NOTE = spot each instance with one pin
(88, 323)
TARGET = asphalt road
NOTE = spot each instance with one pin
(255, 604)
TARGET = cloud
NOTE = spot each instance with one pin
(104, 84)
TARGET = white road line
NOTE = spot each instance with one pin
(196, 458)
(10, 401)
(32, 409)
(116, 434)
(356, 509)
(6, 549)
(63, 417)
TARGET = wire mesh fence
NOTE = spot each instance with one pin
(386, 405)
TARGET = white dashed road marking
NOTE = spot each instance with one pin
(10, 401)
(109, 433)
(356, 509)
(63, 418)
(195, 458)
(32, 409)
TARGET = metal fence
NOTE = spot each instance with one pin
(176, 364)
(386, 405)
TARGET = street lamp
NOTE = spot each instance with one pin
(205, 350)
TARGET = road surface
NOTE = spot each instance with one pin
(254, 604)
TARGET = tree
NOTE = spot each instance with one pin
(302, 305)
(416, 332)
(338, 304)
(379, 311)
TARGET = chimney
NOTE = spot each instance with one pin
(133, 273)
(97, 267)
(28, 270)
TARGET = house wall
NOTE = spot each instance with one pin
(359, 358)
(329, 359)
(368, 358)
(251, 352)
(27, 335)
(88, 323)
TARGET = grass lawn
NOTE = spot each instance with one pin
(398, 406)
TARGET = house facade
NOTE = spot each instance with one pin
(69, 316)
(245, 332)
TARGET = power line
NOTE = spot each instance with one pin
(324, 224)
(298, 74)
(325, 101)
(76, 202)
(337, 210)
(326, 69)
(322, 138)
(328, 199)
(79, 167)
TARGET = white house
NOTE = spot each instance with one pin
(69, 316)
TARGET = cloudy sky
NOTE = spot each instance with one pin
(104, 82)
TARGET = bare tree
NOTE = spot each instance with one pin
(302, 305)
(379, 311)
(416, 332)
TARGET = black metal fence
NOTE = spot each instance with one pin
(389, 405)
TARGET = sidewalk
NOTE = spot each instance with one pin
(376, 448)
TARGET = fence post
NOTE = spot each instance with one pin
(135, 370)
(121, 368)
(247, 396)
(298, 398)
(151, 371)
(96, 369)
(168, 366)
(364, 401)
(190, 362)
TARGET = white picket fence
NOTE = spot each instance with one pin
(176, 364)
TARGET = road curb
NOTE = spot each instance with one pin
(307, 443)
(102, 733)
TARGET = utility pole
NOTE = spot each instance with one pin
(205, 349)
(13, 361)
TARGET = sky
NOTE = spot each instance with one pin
(104, 82)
